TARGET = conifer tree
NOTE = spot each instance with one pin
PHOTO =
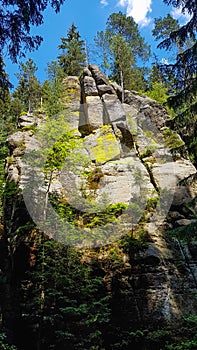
(28, 90)
(52, 89)
(4, 90)
(103, 51)
(183, 71)
(121, 45)
(73, 57)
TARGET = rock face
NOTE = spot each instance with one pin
(136, 160)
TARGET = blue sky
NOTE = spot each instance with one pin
(90, 16)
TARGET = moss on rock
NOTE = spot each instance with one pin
(103, 145)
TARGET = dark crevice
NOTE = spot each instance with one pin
(152, 180)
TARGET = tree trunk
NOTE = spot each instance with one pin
(122, 84)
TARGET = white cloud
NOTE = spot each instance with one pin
(177, 14)
(138, 9)
(104, 2)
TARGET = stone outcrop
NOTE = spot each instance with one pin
(139, 161)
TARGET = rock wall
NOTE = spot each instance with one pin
(137, 160)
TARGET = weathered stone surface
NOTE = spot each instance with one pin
(72, 94)
(169, 175)
(27, 120)
(89, 87)
(105, 89)
(102, 146)
(152, 255)
(121, 182)
(131, 117)
(12, 173)
(99, 77)
(16, 139)
(86, 72)
(153, 111)
(133, 99)
(113, 108)
(94, 112)
(118, 89)
(72, 101)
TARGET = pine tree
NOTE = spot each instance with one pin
(102, 50)
(28, 90)
(4, 90)
(183, 71)
(52, 89)
(126, 41)
(64, 306)
(73, 56)
(121, 67)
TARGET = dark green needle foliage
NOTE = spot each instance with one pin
(181, 72)
(72, 58)
(16, 19)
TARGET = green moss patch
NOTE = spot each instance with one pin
(172, 139)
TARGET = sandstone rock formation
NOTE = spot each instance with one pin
(139, 161)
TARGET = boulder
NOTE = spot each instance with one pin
(99, 77)
(105, 89)
(86, 72)
(27, 120)
(169, 175)
(72, 101)
(113, 108)
(72, 93)
(131, 117)
(117, 89)
(16, 140)
(93, 109)
(89, 87)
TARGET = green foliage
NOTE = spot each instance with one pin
(102, 216)
(6, 127)
(52, 90)
(122, 39)
(172, 139)
(10, 189)
(147, 153)
(158, 92)
(102, 44)
(152, 203)
(181, 73)
(96, 215)
(120, 24)
(184, 233)
(28, 91)
(3, 343)
(58, 142)
(164, 26)
(186, 339)
(4, 90)
(67, 300)
(72, 59)
(132, 245)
